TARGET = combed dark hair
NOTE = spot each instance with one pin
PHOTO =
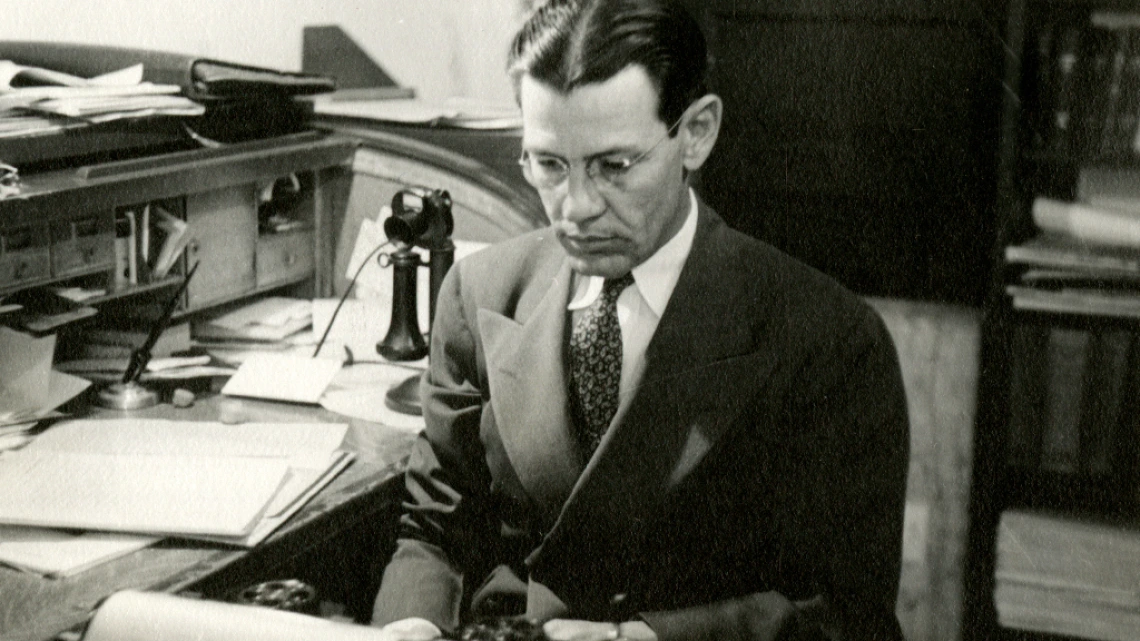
(569, 43)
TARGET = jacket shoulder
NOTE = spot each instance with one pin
(498, 275)
(808, 302)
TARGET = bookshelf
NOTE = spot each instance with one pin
(1055, 496)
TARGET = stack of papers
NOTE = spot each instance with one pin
(270, 319)
(1068, 575)
(456, 111)
(118, 340)
(35, 100)
(154, 493)
(230, 484)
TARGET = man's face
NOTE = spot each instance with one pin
(606, 229)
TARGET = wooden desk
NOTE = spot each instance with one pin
(337, 538)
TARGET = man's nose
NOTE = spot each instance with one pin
(583, 200)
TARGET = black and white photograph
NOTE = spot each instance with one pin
(569, 320)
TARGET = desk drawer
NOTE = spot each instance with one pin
(25, 255)
(284, 257)
(82, 244)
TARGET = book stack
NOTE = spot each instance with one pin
(1068, 576)
(1085, 258)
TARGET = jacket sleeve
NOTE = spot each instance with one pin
(846, 523)
(443, 480)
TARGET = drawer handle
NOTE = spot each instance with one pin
(20, 272)
(290, 260)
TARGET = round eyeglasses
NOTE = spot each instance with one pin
(545, 171)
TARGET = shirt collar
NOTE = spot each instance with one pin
(657, 276)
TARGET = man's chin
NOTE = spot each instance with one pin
(604, 266)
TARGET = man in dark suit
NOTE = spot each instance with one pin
(715, 448)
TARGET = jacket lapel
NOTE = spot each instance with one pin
(528, 392)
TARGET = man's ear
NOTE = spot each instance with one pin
(700, 130)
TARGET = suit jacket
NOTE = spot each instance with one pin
(753, 489)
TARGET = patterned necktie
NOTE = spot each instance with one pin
(595, 365)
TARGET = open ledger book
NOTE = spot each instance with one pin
(231, 484)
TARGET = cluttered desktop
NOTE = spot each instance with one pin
(193, 301)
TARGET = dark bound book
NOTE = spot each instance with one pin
(1026, 395)
(1067, 356)
(1109, 352)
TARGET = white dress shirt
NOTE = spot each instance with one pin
(640, 306)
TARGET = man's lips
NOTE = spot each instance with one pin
(591, 244)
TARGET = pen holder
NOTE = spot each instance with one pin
(127, 396)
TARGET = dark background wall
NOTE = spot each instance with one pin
(860, 136)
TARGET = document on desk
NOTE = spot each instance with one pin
(283, 377)
(153, 494)
(307, 476)
(359, 392)
(171, 477)
(60, 553)
(30, 389)
(268, 319)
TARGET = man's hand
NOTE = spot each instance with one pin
(412, 629)
(574, 630)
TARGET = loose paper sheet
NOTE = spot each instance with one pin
(283, 377)
(274, 311)
(359, 391)
(29, 388)
(58, 553)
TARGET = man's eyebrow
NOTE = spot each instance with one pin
(613, 151)
(538, 151)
